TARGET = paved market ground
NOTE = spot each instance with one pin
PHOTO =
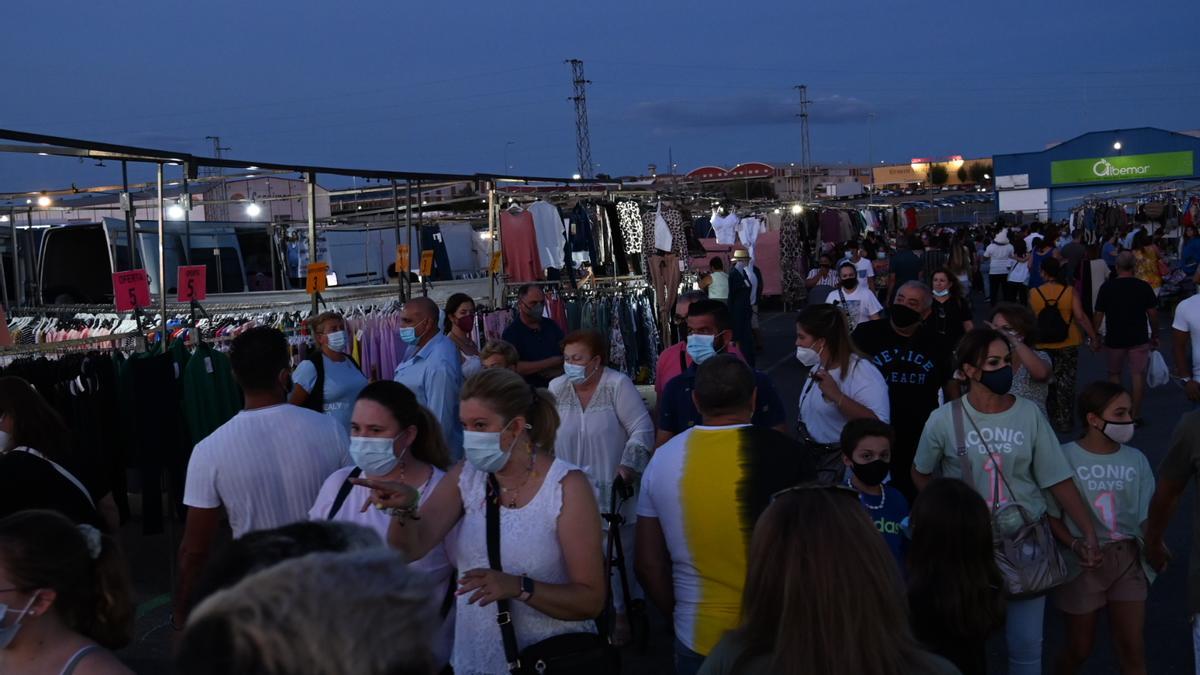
(1168, 637)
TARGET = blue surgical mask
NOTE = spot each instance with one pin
(942, 293)
(336, 340)
(482, 449)
(375, 456)
(9, 633)
(700, 347)
(575, 372)
(408, 334)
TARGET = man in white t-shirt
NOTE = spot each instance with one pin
(264, 467)
(1186, 329)
(862, 266)
(853, 297)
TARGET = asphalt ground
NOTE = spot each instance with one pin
(1168, 631)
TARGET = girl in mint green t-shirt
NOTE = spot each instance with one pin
(1116, 482)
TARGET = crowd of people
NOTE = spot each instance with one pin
(461, 517)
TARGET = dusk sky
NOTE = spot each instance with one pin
(446, 86)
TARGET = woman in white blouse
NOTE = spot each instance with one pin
(842, 385)
(607, 431)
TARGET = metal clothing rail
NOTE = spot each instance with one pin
(43, 347)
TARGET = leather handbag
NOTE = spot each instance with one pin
(1026, 552)
(573, 653)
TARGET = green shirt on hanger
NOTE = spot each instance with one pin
(210, 395)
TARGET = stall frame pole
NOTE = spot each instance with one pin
(162, 259)
(311, 179)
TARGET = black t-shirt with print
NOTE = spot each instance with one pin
(30, 482)
(915, 368)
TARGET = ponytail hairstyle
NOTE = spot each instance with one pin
(828, 322)
(45, 550)
(509, 395)
(430, 444)
(36, 424)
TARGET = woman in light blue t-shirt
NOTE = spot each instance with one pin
(1009, 435)
(329, 380)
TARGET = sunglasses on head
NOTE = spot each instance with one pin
(836, 487)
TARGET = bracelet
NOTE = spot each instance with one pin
(401, 512)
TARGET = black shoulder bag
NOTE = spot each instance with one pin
(573, 653)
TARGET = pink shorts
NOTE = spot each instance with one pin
(1119, 578)
(1138, 358)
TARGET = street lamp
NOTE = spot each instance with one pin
(43, 201)
(253, 210)
(175, 212)
(1117, 146)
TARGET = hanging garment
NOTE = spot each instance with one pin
(663, 240)
(548, 226)
(748, 230)
(790, 251)
(664, 276)
(725, 227)
(462, 248)
(629, 214)
(518, 241)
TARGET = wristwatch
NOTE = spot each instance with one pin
(526, 589)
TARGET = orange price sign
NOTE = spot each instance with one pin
(426, 263)
(403, 265)
(317, 273)
(495, 266)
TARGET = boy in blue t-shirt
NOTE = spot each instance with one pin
(867, 454)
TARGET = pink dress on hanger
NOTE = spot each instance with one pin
(518, 241)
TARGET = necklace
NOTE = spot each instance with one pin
(882, 497)
(515, 492)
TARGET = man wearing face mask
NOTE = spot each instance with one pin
(867, 453)
(854, 298)
(538, 340)
(264, 467)
(433, 370)
(915, 362)
(329, 380)
(744, 284)
(708, 335)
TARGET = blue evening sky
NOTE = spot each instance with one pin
(446, 86)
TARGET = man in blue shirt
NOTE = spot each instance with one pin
(709, 334)
(538, 340)
(433, 372)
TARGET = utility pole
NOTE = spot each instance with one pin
(583, 143)
(805, 145)
(221, 213)
(871, 150)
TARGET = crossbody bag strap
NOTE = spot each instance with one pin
(503, 607)
(960, 442)
(343, 492)
(995, 463)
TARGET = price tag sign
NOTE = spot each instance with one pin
(426, 263)
(402, 261)
(495, 267)
(317, 277)
(131, 290)
(193, 283)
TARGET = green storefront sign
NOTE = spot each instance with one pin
(1122, 167)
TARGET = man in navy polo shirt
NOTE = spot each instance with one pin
(538, 340)
(709, 334)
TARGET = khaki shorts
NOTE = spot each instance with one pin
(1118, 579)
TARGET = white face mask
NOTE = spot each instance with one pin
(1118, 432)
(337, 340)
(808, 357)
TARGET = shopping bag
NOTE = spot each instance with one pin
(1157, 374)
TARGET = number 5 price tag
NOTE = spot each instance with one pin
(131, 290)
(193, 283)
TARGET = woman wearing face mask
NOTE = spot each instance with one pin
(867, 454)
(37, 468)
(549, 528)
(393, 438)
(605, 429)
(842, 385)
(1116, 510)
(329, 380)
(1004, 434)
(460, 321)
(951, 310)
(1032, 368)
(64, 597)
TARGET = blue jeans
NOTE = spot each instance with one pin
(687, 662)
(1023, 632)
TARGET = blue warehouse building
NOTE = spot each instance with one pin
(1121, 163)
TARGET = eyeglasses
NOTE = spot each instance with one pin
(836, 487)
(679, 320)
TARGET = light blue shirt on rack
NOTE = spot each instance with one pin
(434, 374)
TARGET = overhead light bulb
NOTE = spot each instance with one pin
(253, 210)
(3, 219)
(43, 201)
(1117, 145)
(576, 176)
(797, 209)
(175, 212)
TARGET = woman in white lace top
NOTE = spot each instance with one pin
(605, 430)
(550, 551)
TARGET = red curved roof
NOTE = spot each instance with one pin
(746, 170)
(708, 172)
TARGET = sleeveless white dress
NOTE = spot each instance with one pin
(528, 545)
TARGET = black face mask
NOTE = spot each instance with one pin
(849, 284)
(999, 381)
(871, 473)
(904, 316)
